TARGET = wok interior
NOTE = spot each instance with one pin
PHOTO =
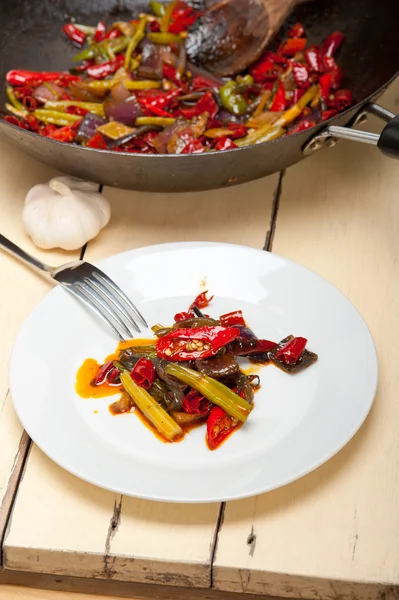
(31, 38)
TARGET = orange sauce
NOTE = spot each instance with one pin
(85, 376)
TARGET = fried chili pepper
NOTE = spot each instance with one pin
(292, 350)
(328, 114)
(206, 104)
(195, 403)
(64, 134)
(332, 43)
(342, 99)
(103, 373)
(183, 316)
(19, 78)
(292, 46)
(224, 143)
(219, 426)
(172, 74)
(107, 68)
(232, 318)
(300, 73)
(143, 373)
(296, 31)
(183, 16)
(193, 146)
(312, 56)
(201, 301)
(200, 82)
(97, 141)
(325, 82)
(100, 32)
(190, 344)
(156, 101)
(75, 34)
(279, 103)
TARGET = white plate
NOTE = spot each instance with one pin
(299, 421)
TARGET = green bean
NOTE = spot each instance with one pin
(162, 121)
(151, 409)
(213, 390)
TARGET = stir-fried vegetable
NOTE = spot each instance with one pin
(192, 373)
(135, 74)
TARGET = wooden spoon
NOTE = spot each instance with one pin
(232, 34)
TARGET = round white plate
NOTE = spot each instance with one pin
(299, 421)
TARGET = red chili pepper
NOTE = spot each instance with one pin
(292, 350)
(172, 74)
(232, 318)
(32, 122)
(182, 24)
(342, 99)
(195, 403)
(199, 82)
(75, 34)
(193, 147)
(14, 121)
(279, 101)
(97, 141)
(100, 32)
(175, 346)
(63, 134)
(23, 91)
(156, 100)
(201, 301)
(113, 34)
(76, 110)
(302, 125)
(224, 143)
(205, 104)
(332, 43)
(266, 69)
(218, 427)
(104, 371)
(312, 55)
(183, 316)
(143, 373)
(297, 94)
(300, 73)
(278, 59)
(237, 130)
(21, 78)
(328, 114)
(108, 68)
(29, 103)
(325, 85)
(47, 130)
(296, 31)
(293, 45)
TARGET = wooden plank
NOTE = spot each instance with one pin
(82, 531)
(17, 174)
(334, 533)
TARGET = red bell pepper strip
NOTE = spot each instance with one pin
(332, 43)
(195, 403)
(342, 99)
(190, 344)
(312, 56)
(143, 373)
(201, 301)
(300, 73)
(279, 101)
(296, 31)
(75, 34)
(100, 32)
(107, 68)
(224, 143)
(293, 45)
(97, 141)
(292, 350)
(232, 318)
(219, 426)
(21, 78)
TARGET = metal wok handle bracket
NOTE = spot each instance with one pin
(387, 141)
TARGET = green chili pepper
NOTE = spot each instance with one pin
(231, 100)
(86, 54)
(54, 117)
(164, 38)
(162, 121)
(134, 42)
(244, 79)
(263, 134)
(157, 8)
(13, 99)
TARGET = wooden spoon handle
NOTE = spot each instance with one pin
(277, 11)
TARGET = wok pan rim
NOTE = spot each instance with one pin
(198, 156)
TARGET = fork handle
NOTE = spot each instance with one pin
(23, 256)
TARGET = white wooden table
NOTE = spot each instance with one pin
(334, 533)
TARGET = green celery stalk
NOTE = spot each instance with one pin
(213, 390)
(151, 409)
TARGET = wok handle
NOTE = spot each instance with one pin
(387, 141)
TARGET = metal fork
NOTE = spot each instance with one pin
(90, 285)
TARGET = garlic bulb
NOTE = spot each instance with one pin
(65, 213)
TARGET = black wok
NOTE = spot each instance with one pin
(30, 39)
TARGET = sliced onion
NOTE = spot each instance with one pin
(151, 61)
(126, 111)
(88, 127)
(51, 91)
